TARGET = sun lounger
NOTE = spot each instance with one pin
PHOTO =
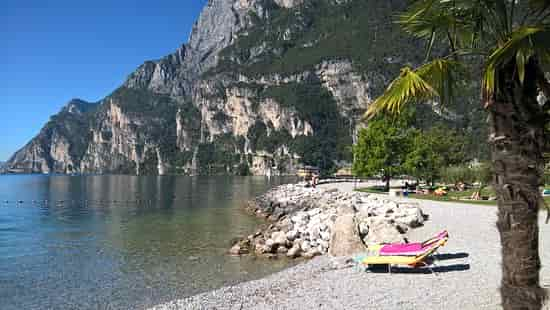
(410, 249)
(410, 254)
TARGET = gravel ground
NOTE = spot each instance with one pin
(467, 275)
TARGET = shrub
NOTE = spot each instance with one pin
(457, 174)
(462, 173)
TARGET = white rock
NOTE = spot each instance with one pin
(325, 235)
(300, 217)
(381, 231)
(314, 232)
(279, 238)
(314, 212)
(345, 239)
(292, 234)
(305, 246)
(293, 251)
(363, 228)
(313, 252)
(315, 220)
(411, 216)
(270, 243)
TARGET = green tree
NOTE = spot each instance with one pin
(431, 150)
(382, 148)
(482, 174)
(512, 41)
(457, 174)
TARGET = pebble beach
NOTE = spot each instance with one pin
(467, 274)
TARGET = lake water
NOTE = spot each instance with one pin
(122, 242)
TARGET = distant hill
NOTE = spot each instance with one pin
(261, 85)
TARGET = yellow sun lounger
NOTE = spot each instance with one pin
(411, 260)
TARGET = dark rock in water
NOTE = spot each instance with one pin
(240, 248)
(261, 248)
(234, 240)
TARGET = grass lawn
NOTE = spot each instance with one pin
(461, 196)
(451, 196)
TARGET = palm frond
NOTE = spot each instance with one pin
(524, 43)
(435, 79)
(463, 23)
(409, 86)
(422, 21)
(443, 75)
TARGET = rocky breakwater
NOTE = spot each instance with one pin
(306, 222)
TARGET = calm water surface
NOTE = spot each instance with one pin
(122, 242)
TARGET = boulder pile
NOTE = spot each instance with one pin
(305, 222)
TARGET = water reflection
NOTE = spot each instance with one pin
(122, 241)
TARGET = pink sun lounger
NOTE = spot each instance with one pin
(411, 249)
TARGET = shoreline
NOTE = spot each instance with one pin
(467, 275)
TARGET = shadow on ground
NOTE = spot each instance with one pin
(446, 256)
(421, 270)
(433, 263)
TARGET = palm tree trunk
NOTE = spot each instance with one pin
(517, 144)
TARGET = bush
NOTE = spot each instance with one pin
(457, 174)
(483, 173)
(462, 173)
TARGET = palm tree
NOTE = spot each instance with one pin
(511, 39)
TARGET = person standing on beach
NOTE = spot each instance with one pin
(314, 180)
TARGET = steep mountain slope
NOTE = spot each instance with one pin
(261, 85)
(61, 143)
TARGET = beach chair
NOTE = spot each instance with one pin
(410, 249)
(409, 254)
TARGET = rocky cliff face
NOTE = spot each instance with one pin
(60, 144)
(261, 86)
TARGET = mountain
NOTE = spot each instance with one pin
(260, 84)
(61, 144)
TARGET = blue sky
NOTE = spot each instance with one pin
(55, 50)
